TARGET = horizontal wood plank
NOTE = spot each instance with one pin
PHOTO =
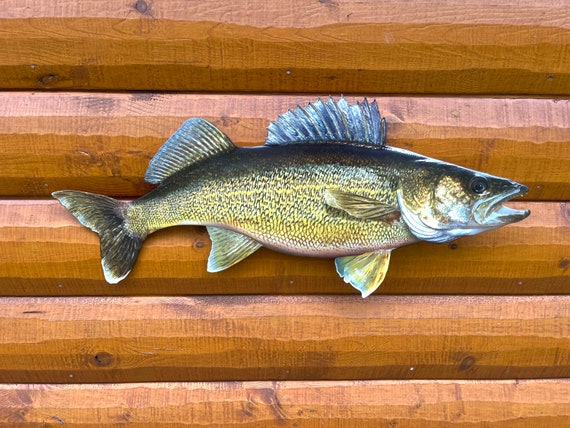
(45, 251)
(515, 47)
(515, 404)
(146, 339)
(103, 142)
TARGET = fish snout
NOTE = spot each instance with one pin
(523, 190)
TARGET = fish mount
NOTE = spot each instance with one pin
(354, 198)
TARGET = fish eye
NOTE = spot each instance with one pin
(479, 185)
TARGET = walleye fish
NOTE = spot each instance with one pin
(325, 184)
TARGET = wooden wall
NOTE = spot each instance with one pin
(472, 333)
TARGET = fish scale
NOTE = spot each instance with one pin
(276, 197)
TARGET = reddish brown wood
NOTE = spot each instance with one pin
(78, 340)
(516, 404)
(102, 142)
(483, 47)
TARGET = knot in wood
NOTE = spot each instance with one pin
(467, 362)
(103, 359)
(49, 79)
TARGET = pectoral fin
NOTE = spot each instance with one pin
(228, 248)
(364, 272)
(360, 206)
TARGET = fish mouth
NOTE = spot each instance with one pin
(492, 213)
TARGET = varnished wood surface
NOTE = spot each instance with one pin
(103, 142)
(136, 339)
(511, 404)
(401, 358)
(45, 251)
(483, 47)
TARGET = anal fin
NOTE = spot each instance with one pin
(364, 272)
(228, 248)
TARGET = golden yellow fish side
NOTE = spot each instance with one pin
(277, 198)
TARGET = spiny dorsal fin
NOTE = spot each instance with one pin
(228, 248)
(364, 272)
(196, 140)
(332, 121)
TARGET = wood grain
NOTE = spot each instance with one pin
(516, 404)
(258, 346)
(103, 142)
(515, 47)
(128, 339)
(45, 251)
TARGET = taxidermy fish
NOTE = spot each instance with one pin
(325, 184)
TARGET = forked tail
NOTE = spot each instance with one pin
(120, 246)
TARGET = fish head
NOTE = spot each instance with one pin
(442, 202)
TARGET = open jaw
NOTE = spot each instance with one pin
(492, 213)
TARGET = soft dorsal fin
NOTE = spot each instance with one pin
(359, 124)
(196, 140)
